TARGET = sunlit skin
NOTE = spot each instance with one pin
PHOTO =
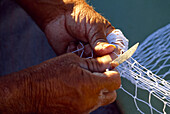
(67, 83)
(67, 21)
(63, 84)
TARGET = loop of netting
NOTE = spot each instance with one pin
(145, 79)
(154, 54)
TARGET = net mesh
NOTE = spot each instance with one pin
(154, 54)
(149, 72)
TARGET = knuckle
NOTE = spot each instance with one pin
(101, 65)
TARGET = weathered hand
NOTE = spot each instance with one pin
(68, 22)
(79, 23)
(67, 84)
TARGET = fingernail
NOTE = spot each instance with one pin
(109, 45)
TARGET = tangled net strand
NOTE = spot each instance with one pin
(154, 54)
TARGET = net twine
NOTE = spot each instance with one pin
(154, 54)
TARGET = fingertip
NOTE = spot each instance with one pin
(109, 48)
(114, 64)
(109, 45)
(103, 48)
(111, 73)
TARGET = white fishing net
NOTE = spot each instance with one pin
(148, 71)
(154, 54)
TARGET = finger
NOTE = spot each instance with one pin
(98, 83)
(99, 64)
(104, 82)
(107, 97)
(88, 51)
(109, 80)
(71, 47)
(98, 39)
(103, 48)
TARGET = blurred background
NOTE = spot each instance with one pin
(23, 44)
(136, 18)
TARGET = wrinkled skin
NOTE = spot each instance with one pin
(68, 83)
(82, 24)
(68, 22)
(83, 86)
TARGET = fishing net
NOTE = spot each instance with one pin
(148, 71)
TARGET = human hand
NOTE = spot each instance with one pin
(79, 23)
(68, 22)
(67, 83)
(76, 86)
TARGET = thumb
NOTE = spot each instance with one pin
(101, 79)
(103, 82)
(99, 42)
(99, 82)
(109, 80)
